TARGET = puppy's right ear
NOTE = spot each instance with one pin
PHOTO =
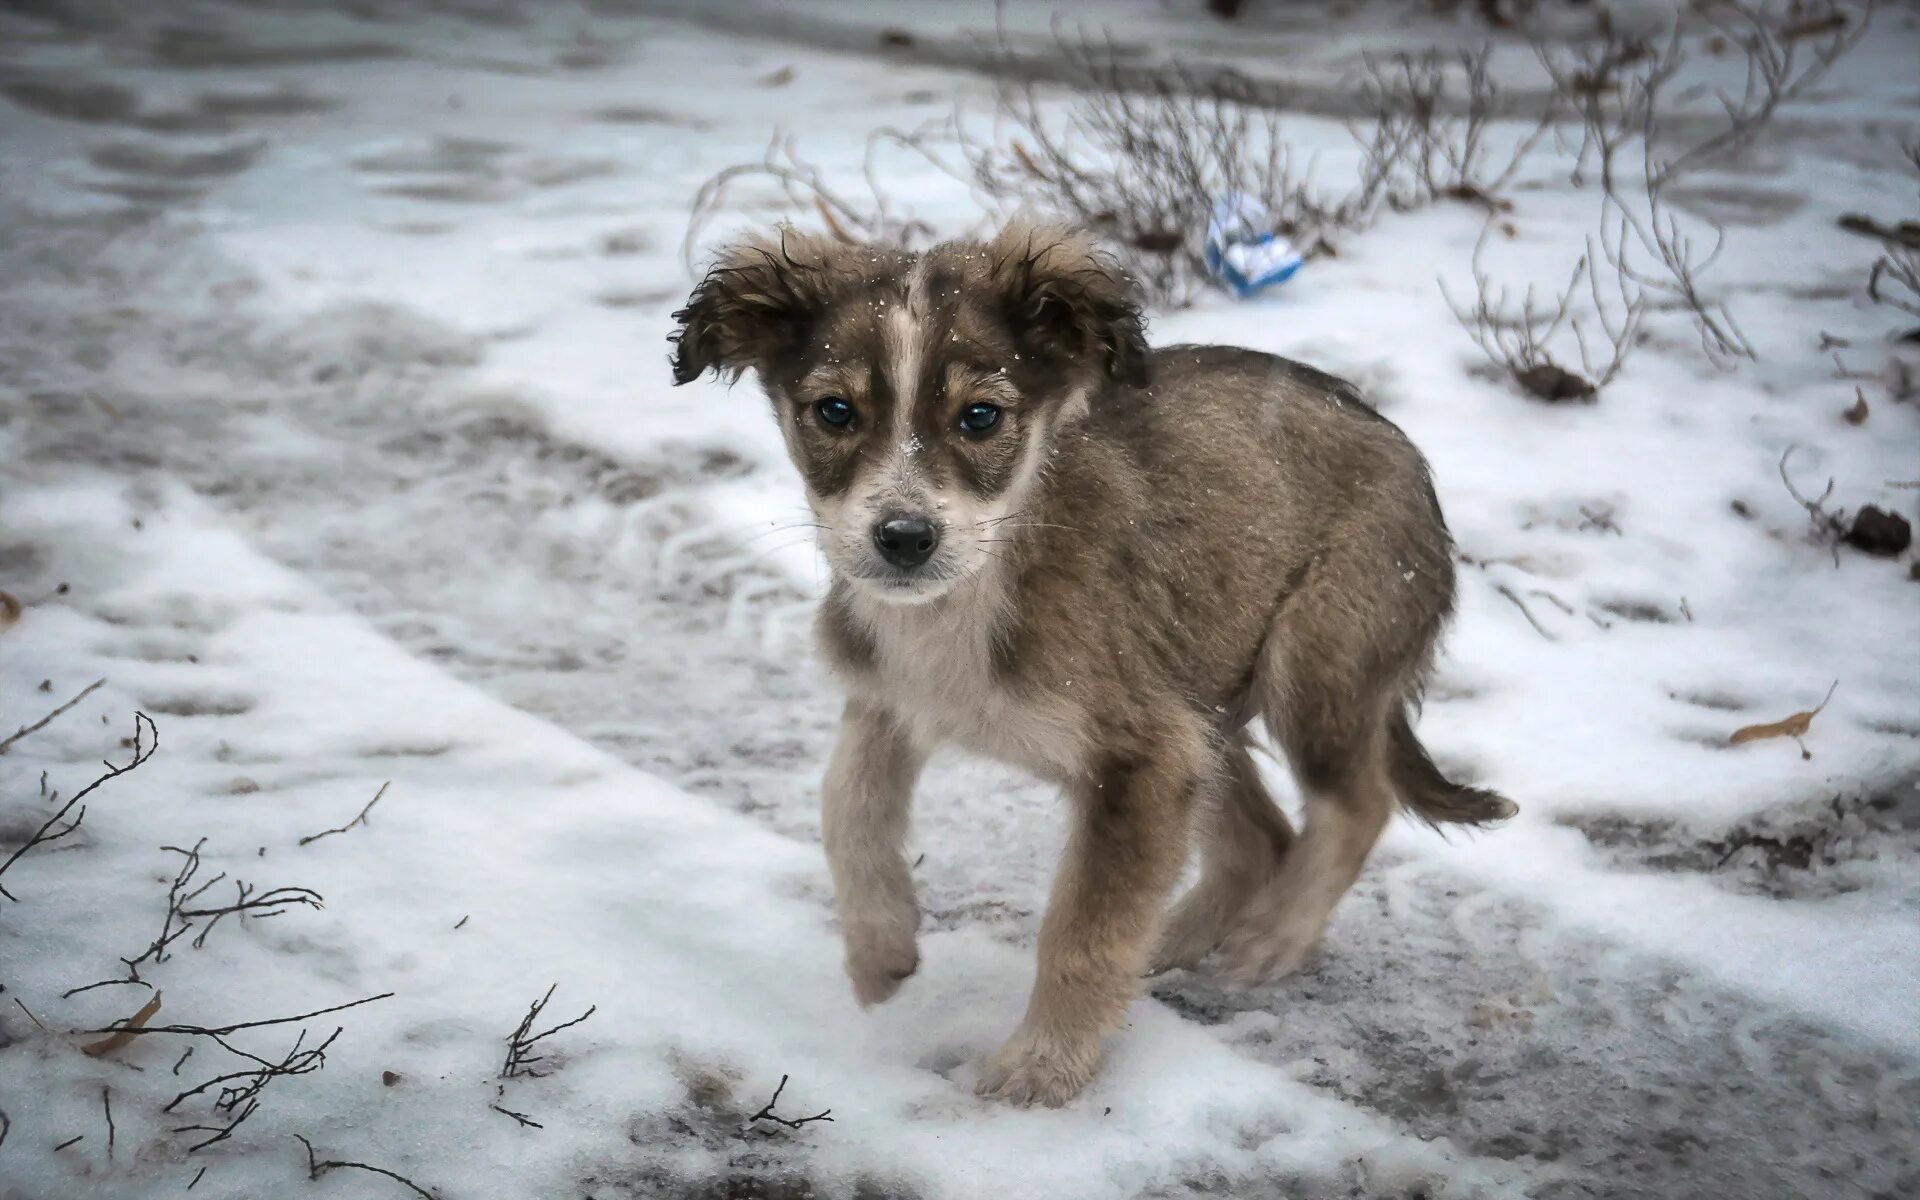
(757, 301)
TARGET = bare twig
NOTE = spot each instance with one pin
(106, 1105)
(520, 1058)
(36, 1020)
(239, 1095)
(1440, 112)
(222, 1030)
(87, 987)
(1828, 527)
(805, 190)
(525, 1121)
(1619, 89)
(146, 740)
(6, 744)
(359, 820)
(180, 916)
(766, 1112)
(316, 1167)
(1517, 338)
(1526, 612)
(1140, 154)
(1895, 279)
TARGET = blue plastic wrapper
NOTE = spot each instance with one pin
(1242, 252)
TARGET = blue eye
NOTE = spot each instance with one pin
(979, 418)
(835, 412)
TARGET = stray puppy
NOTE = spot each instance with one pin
(1098, 562)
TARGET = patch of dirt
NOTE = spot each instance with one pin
(1801, 851)
(187, 47)
(1443, 1011)
(140, 158)
(75, 100)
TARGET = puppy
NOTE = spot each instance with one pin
(1099, 562)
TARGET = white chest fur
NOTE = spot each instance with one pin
(934, 668)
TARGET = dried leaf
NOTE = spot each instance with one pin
(780, 78)
(1026, 160)
(1795, 726)
(125, 1034)
(10, 610)
(1857, 415)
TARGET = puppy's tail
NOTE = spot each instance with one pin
(1430, 795)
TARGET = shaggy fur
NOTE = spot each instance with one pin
(1144, 551)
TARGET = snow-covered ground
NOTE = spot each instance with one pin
(338, 439)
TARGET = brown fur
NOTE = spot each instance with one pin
(1148, 550)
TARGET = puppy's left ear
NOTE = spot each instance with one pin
(1068, 300)
(758, 300)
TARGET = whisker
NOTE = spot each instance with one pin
(765, 533)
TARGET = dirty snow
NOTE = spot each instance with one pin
(338, 439)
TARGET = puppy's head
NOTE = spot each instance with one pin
(918, 392)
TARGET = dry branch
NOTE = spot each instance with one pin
(1894, 279)
(359, 820)
(146, 740)
(223, 1030)
(1141, 154)
(1517, 336)
(766, 1112)
(520, 1057)
(520, 1043)
(239, 1095)
(804, 188)
(1620, 87)
(1437, 112)
(24, 731)
(1829, 528)
(316, 1167)
(181, 913)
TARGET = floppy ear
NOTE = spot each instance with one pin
(757, 301)
(1068, 300)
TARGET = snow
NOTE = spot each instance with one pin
(356, 455)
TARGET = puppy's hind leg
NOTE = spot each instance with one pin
(864, 809)
(1244, 839)
(1326, 701)
(1345, 813)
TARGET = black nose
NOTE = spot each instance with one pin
(905, 541)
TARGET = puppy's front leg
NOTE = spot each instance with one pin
(1123, 856)
(864, 809)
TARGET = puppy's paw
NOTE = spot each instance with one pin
(1259, 952)
(1196, 926)
(1034, 1069)
(879, 960)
